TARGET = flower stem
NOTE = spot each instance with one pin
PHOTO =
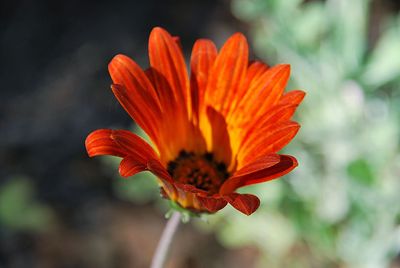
(165, 241)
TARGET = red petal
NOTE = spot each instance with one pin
(245, 203)
(285, 165)
(157, 169)
(212, 204)
(99, 142)
(133, 144)
(129, 166)
(262, 162)
(248, 171)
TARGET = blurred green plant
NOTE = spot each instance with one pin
(19, 211)
(341, 206)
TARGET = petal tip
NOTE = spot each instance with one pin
(245, 203)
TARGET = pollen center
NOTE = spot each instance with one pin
(201, 171)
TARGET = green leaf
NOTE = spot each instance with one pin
(361, 172)
(18, 208)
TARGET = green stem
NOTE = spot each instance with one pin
(165, 241)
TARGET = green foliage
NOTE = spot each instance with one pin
(360, 171)
(18, 208)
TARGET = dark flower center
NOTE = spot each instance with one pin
(201, 171)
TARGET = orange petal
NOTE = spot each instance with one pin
(254, 71)
(278, 114)
(227, 73)
(221, 146)
(262, 93)
(124, 71)
(166, 58)
(143, 116)
(285, 165)
(292, 97)
(135, 93)
(99, 142)
(203, 57)
(245, 203)
(266, 140)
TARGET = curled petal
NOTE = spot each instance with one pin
(129, 166)
(212, 204)
(133, 144)
(262, 162)
(245, 203)
(285, 165)
(99, 142)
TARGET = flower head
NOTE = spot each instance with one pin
(212, 132)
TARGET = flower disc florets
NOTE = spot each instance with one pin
(201, 171)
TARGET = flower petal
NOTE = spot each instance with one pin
(278, 114)
(261, 163)
(129, 166)
(256, 69)
(261, 94)
(292, 97)
(133, 144)
(220, 143)
(269, 139)
(99, 142)
(227, 73)
(203, 57)
(259, 174)
(166, 58)
(135, 93)
(212, 204)
(245, 203)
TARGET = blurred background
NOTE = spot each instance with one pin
(339, 208)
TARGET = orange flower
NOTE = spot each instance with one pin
(213, 132)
